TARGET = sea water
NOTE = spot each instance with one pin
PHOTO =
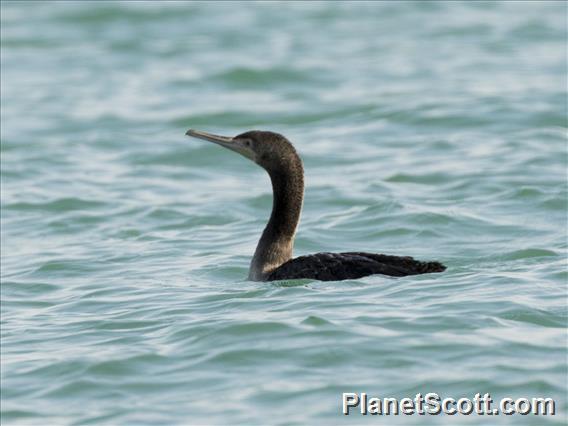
(430, 129)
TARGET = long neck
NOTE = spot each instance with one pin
(277, 240)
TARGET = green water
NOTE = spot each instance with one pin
(436, 130)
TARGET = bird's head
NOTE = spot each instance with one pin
(269, 150)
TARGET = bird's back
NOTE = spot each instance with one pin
(351, 265)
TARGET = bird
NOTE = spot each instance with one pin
(272, 259)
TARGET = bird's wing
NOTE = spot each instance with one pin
(344, 266)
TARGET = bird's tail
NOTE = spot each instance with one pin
(429, 267)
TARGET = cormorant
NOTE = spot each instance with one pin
(272, 259)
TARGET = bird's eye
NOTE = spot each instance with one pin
(248, 143)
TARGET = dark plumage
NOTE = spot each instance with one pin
(272, 259)
(346, 266)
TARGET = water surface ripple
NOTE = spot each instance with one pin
(431, 129)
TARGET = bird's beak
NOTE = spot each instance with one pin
(221, 140)
(231, 143)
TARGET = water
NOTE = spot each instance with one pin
(436, 130)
